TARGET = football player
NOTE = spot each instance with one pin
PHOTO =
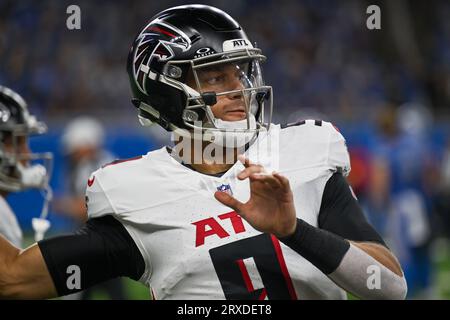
(16, 172)
(276, 222)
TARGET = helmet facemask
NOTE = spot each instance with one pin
(236, 74)
(23, 170)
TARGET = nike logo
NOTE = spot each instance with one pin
(91, 181)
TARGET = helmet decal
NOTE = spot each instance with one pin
(156, 42)
(230, 45)
(203, 52)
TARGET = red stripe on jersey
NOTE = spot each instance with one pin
(283, 267)
(263, 295)
(245, 275)
(91, 181)
(121, 161)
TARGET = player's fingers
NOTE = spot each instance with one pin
(247, 172)
(228, 200)
(267, 178)
(246, 161)
(282, 179)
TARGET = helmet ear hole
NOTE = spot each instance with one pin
(173, 72)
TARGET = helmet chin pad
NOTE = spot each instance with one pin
(232, 134)
(233, 125)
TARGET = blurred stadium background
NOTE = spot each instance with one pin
(387, 90)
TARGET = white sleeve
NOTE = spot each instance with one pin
(97, 201)
(367, 278)
(338, 157)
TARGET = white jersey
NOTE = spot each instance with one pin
(9, 227)
(196, 248)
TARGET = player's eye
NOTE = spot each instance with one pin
(214, 79)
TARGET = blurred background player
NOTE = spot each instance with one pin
(401, 187)
(82, 144)
(84, 152)
(16, 171)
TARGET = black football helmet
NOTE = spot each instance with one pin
(16, 171)
(179, 44)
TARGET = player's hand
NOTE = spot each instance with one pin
(270, 208)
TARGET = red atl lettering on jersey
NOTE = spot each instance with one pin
(214, 227)
(235, 219)
(202, 233)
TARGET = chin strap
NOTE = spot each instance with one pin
(41, 224)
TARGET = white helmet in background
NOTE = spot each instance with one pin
(83, 132)
(414, 119)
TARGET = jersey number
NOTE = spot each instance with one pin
(253, 268)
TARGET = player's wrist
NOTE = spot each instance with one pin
(289, 232)
(312, 243)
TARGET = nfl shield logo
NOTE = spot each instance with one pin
(225, 188)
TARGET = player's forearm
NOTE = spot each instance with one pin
(8, 254)
(367, 278)
(23, 273)
(347, 265)
(381, 254)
